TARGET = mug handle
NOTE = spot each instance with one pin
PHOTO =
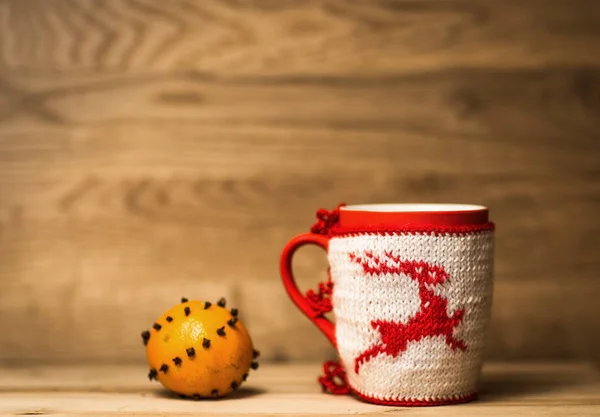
(289, 282)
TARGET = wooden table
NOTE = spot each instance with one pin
(506, 389)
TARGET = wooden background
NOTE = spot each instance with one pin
(154, 149)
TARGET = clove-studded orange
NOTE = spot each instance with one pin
(199, 349)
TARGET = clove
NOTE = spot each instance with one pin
(145, 336)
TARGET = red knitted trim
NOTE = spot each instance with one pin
(320, 302)
(326, 219)
(338, 231)
(335, 382)
(415, 403)
(334, 379)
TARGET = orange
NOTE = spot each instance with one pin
(199, 349)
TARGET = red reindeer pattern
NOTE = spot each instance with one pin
(432, 319)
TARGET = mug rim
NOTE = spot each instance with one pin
(376, 217)
(415, 208)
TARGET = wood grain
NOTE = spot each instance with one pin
(546, 389)
(555, 106)
(150, 150)
(292, 37)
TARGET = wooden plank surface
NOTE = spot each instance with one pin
(290, 36)
(542, 389)
(150, 150)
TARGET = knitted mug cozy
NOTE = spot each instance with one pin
(411, 307)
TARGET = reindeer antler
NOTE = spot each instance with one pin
(420, 271)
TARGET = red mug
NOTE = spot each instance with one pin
(410, 286)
